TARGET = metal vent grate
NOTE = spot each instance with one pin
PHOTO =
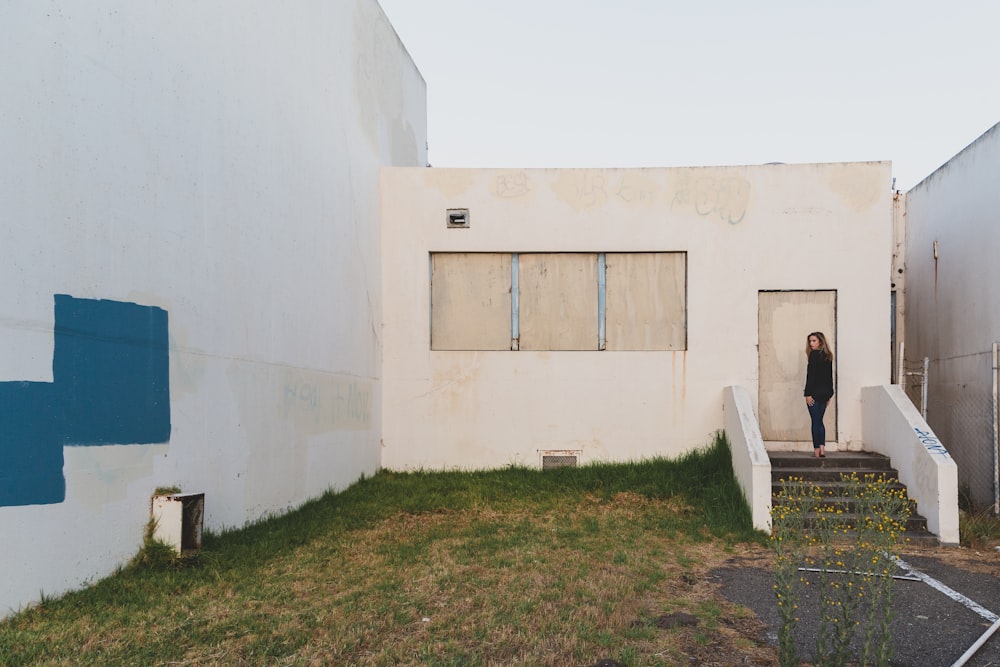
(560, 461)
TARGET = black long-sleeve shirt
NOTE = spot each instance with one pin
(819, 377)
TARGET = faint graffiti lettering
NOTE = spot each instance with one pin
(353, 407)
(581, 188)
(514, 184)
(631, 189)
(329, 403)
(930, 442)
(725, 197)
(592, 189)
(304, 395)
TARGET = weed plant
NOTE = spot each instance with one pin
(853, 554)
(795, 501)
(979, 529)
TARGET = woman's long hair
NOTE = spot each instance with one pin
(823, 346)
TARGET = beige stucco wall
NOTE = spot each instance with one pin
(744, 229)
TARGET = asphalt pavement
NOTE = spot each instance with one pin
(937, 618)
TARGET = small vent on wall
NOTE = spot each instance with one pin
(560, 459)
(458, 218)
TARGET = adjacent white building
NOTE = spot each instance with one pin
(952, 315)
(195, 186)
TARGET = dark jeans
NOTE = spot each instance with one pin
(816, 412)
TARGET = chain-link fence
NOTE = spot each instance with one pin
(960, 411)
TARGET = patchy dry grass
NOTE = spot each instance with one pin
(513, 567)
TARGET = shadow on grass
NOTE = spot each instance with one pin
(701, 479)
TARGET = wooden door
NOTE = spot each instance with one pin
(785, 319)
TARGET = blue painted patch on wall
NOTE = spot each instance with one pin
(110, 373)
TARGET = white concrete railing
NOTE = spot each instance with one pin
(892, 426)
(751, 465)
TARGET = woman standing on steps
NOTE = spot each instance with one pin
(819, 387)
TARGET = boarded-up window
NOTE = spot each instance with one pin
(646, 307)
(470, 301)
(558, 301)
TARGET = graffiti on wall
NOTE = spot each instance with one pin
(512, 184)
(319, 403)
(110, 385)
(725, 198)
(931, 442)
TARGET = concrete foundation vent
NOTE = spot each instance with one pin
(559, 459)
(179, 521)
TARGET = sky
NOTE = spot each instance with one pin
(665, 83)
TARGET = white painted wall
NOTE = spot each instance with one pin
(951, 314)
(813, 226)
(751, 465)
(219, 160)
(893, 427)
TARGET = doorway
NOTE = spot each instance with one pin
(785, 319)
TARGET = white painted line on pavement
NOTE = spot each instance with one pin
(950, 592)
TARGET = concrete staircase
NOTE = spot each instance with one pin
(826, 473)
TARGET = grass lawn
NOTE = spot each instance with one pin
(507, 567)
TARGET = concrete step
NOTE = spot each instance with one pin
(845, 503)
(826, 473)
(831, 460)
(915, 523)
(831, 488)
(913, 538)
(830, 474)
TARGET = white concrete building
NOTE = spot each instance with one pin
(951, 311)
(190, 288)
(598, 314)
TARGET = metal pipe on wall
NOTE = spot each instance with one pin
(923, 390)
(899, 364)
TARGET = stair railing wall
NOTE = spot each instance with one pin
(751, 466)
(892, 426)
